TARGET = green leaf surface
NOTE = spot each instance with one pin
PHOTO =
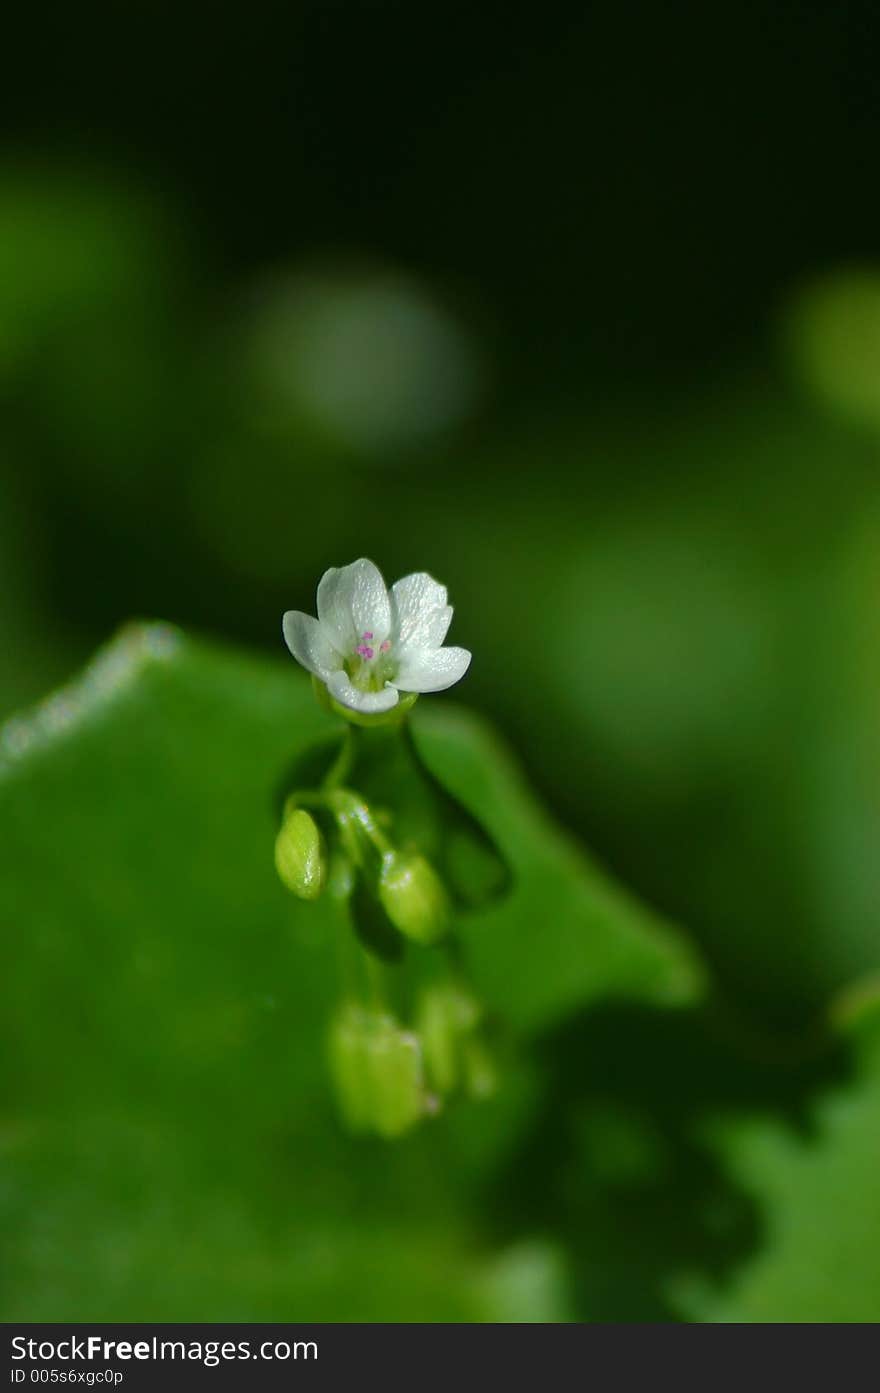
(170, 1148)
(819, 1205)
(567, 935)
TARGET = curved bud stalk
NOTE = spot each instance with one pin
(359, 832)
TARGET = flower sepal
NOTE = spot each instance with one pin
(395, 717)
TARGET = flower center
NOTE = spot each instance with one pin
(368, 669)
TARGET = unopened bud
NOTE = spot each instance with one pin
(340, 876)
(299, 855)
(414, 897)
(447, 1018)
(377, 1070)
(480, 1069)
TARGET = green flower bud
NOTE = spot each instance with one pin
(448, 1016)
(346, 1054)
(414, 897)
(377, 1071)
(340, 876)
(480, 1070)
(437, 1029)
(299, 855)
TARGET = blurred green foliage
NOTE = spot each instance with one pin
(169, 1143)
(635, 429)
(819, 1194)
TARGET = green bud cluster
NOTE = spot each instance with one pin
(371, 828)
(403, 886)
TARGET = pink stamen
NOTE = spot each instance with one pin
(364, 650)
(385, 645)
(368, 633)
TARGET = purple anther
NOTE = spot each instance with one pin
(364, 650)
(368, 633)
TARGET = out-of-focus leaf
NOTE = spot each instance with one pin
(69, 245)
(169, 1140)
(819, 1258)
(691, 712)
(567, 934)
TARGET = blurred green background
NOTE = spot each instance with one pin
(578, 308)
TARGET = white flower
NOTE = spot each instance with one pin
(368, 644)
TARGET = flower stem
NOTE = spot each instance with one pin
(340, 769)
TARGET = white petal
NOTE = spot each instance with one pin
(420, 612)
(340, 687)
(309, 644)
(431, 669)
(353, 601)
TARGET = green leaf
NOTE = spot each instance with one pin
(819, 1205)
(170, 1145)
(567, 935)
